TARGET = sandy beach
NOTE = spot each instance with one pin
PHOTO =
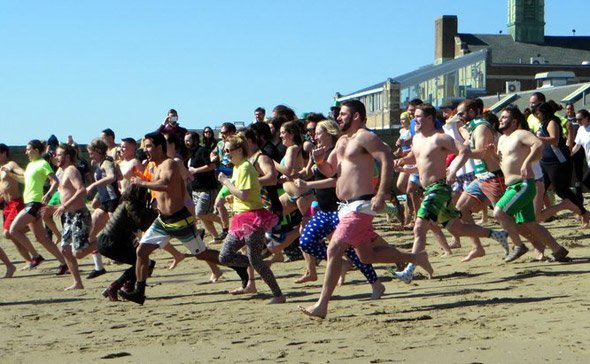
(484, 311)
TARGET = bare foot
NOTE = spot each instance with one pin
(74, 286)
(27, 266)
(276, 258)
(175, 260)
(456, 244)
(474, 253)
(280, 299)
(313, 311)
(306, 278)
(447, 253)
(346, 265)
(10, 269)
(215, 277)
(378, 290)
(245, 290)
(423, 262)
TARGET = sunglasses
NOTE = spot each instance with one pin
(310, 130)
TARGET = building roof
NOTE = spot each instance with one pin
(555, 50)
(424, 73)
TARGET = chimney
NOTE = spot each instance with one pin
(445, 30)
(526, 20)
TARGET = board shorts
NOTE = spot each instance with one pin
(109, 206)
(437, 203)
(76, 229)
(518, 201)
(356, 222)
(462, 182)
(490, 187)
(204, 201)
(180, 225)
(11, 210)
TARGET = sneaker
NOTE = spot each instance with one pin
(560, 255)
(96, 273)
(134, 296)
(36, 261)
(516, 253)
(221, 236)
(62, 269)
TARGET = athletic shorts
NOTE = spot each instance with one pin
(76, 228)
(463, 181)
(34, 209)
(109, 206)
(356, 223)
(204, 201)
(180, 225)
(11, 209)
(437, 203)
(491, 187)
(518, 201)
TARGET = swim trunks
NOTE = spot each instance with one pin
(356, 223)
(180, 225)
(518, 201)
(76, 228)
(437, 204)
(11, 209)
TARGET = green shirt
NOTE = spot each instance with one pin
(35, 177)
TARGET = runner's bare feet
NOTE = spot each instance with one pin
(245, 290)
(378, 290)
(215, 277)
(10, 269)
(423, 262)
(456, 244)
(446, 253)
(306, 278)
(280, 299)
(276, 258)
(74, 286)
(313, 311)
(474, 253)
(176, 260)
(346, 265)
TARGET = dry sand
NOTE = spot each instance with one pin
(484, 311)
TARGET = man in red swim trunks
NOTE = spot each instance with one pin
(13, 203)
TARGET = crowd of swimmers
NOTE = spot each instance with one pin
(293, 187)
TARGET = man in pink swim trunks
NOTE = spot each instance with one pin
(352, 162)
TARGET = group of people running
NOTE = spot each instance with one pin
(319, 180)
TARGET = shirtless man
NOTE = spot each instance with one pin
(174, 219)
(13, 203)
(76, 217)
(352, 160)
(429, 152)
(517, 151)
(128, 165)
(488, 185)
(13, 200)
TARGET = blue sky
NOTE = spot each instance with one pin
(77, 67)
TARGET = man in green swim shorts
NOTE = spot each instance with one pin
(429, 152)
(517, 150)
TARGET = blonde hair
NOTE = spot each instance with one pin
(331, 127)
(238, 141)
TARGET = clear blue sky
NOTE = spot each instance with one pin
(77, 67)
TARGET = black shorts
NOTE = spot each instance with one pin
(109, 206)
(34, 209)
